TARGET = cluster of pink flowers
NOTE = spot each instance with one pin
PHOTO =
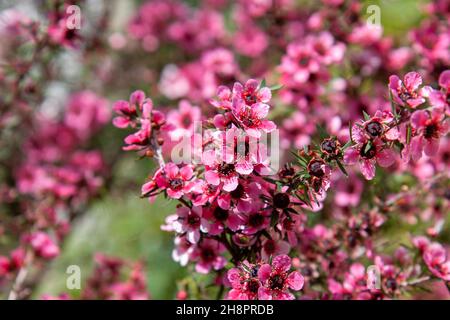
(112, 279)
(361, 119)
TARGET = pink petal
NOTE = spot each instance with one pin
(265, 94)
(394, 82)
(282, 262)
(431, 147)
(260, 110)
(186, 172)
(264, 272)
(264, 294)
(230, 183)
(268, 126)
(412, 80)
(121, 122)
(351, 156)
(171, 170)
(416, 148)
(137, 97)
(212, 177)
(244, 168)
(251, 85)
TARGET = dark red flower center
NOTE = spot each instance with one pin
(176, 184)
(431, 131)
(374, 128)
(193, 220)
(329, 146)
(249, 97)
(238, 193)
(256, 220)
(281, 200)
(368, 152)
(208, 254)
(276, 282)
(269, 246)
(315, 168)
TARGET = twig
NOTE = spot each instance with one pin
(21, 277)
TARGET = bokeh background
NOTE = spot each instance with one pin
(121, 224)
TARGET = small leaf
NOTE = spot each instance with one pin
(368, 146)
(263, 83)
(393, 109)
(408, 134)
(348, 144)
(350, 128)
(276, 87)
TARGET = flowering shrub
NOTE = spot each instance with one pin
(305, 149)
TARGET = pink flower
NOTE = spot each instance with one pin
(207, 255)
(251, 118)
(86, 113)
(298, 64)
(407, 91)
(273, 247)
(435, 257)
(216, 220)
(244, 282)
(276, 280)
(183, 120)
(175, 179)
(430, 126)
(257, 219)
(367, 153)
(220, 172)
(43, 245)
(127, 110)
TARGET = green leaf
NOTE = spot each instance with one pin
(368, 146)
(263, 83)
(348, 144)
(300, 159)
(366, 116)
(408, 134)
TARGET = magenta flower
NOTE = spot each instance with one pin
(429, 126)
(220, 172)
(127, 110)
(276, 280)
(183, 120)
(244, 282)
(43, 245)
(274, 247)
(407, 92)
(257, 219)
